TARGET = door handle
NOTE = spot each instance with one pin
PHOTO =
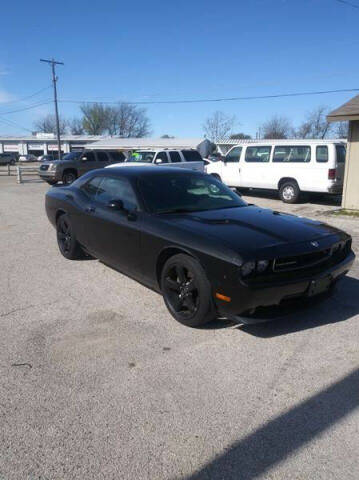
(90, 209)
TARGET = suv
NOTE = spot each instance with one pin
(7, 158)
(177, 158)
(74, 164)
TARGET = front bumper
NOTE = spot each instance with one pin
(247, 298)
(48, 175)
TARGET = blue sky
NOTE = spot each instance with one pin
(158, 50)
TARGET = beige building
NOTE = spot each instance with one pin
(350, 112)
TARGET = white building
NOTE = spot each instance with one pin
(41, 144)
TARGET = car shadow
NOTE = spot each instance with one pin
(312, 198)
(342, 305)
(283, 436)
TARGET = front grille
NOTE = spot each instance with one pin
(44, 167)
(286, 264)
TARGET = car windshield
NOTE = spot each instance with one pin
(141, 157)
(71, 156)
(186, 192)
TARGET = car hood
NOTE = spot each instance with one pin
(251, 229)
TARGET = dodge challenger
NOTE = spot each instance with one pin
(189, 237)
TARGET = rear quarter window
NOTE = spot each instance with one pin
(192, 156)
(341, 153)
(322, 154)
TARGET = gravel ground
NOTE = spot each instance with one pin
(99, 382)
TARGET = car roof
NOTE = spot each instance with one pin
(141, 171)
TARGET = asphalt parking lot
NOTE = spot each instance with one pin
(99, 382)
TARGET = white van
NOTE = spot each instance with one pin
(289, 166)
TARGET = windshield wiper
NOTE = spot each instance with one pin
(177, 210)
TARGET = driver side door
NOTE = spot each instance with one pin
(115, 232)
(231, 171)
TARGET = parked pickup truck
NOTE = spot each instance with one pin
(176, 158)
(74, 164)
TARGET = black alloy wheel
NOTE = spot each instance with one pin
(68, 245)
(186, 291)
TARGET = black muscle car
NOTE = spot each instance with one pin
(186, 235)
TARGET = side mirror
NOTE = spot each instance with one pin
(83, 159)
(116, 205)
(158, 160)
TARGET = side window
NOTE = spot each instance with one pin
(258, 154)
(117, 157)
(161, 156)
(234, 155)
(192, 156)
(90, 188)
(117, 189)
(341, 152)
(296, 154)
(322, 154)
(88, 157)
(175, 157)
(102, 156)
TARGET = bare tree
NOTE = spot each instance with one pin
(240, 136)
(277, 127)
(219, 125)
(130, 121)
(315, 125)
(341, 130)
(95, 118)
(76, 126)
(47, 124)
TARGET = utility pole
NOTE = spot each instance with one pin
(52, 62)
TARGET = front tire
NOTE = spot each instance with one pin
(289, 192)
(68, 178)
(186, 291)
(66, 240)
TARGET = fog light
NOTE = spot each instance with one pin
(262, 265)
(248, 268)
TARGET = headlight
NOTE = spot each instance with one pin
(52, 167)
(262, 265)
(248, 268)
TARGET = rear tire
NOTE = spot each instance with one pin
(68, 178)
(66, 240)
(289, 192)
(186, 291)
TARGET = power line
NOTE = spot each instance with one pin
(12, 123)
(344, 2)
(228, 99)
(10, 102)
(35, 105)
